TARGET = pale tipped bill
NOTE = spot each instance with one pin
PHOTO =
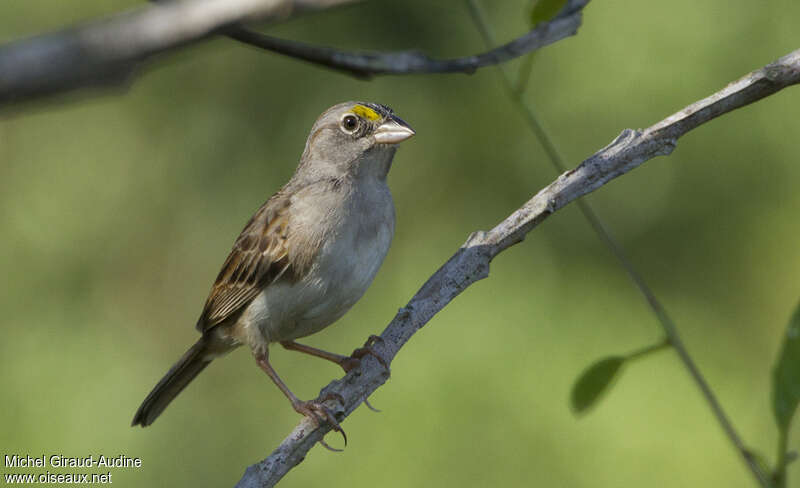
(393, 131)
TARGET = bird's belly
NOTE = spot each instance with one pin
(350, 278)
(343, 272)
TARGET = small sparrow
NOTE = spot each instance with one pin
(306, 256)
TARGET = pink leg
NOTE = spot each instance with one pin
(311, 408)
(347, 363)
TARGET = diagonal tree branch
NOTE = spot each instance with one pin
(109, 51)
(367, 64)
(471, 262)
(672, 336)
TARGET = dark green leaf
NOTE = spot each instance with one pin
(544, 10)
(786, 375)
(594, 382)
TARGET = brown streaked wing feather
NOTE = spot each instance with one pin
(259, 256)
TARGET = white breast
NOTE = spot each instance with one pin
(348, 260)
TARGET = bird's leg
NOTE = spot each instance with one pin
(319, 353)
(347, 363)
(312, 408)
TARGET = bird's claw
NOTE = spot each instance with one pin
(320, 413)
(369, 406)
(354, 360)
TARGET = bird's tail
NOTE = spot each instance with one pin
(179, 375)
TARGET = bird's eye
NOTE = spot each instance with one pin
(350, 123)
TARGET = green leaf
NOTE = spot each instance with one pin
(544, 10)
(594, 382)
(786, 376)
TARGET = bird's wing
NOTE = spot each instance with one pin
(259, 257)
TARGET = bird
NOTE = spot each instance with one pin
(304, 258)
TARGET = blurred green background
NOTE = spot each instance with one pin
(117, 211)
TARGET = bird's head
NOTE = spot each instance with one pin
(357, 138)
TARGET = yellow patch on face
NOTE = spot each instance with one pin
(365, 112)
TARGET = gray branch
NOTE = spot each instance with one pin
(109, 51)
(471, 262)
(367, 64)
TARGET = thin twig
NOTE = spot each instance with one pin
(605, 235)
(524, 75)
(367, 64)
(471, 262)
(648, 350)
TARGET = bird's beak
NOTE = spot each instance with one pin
(393, 131)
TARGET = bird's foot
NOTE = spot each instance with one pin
(316, 410)
(354, 360)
